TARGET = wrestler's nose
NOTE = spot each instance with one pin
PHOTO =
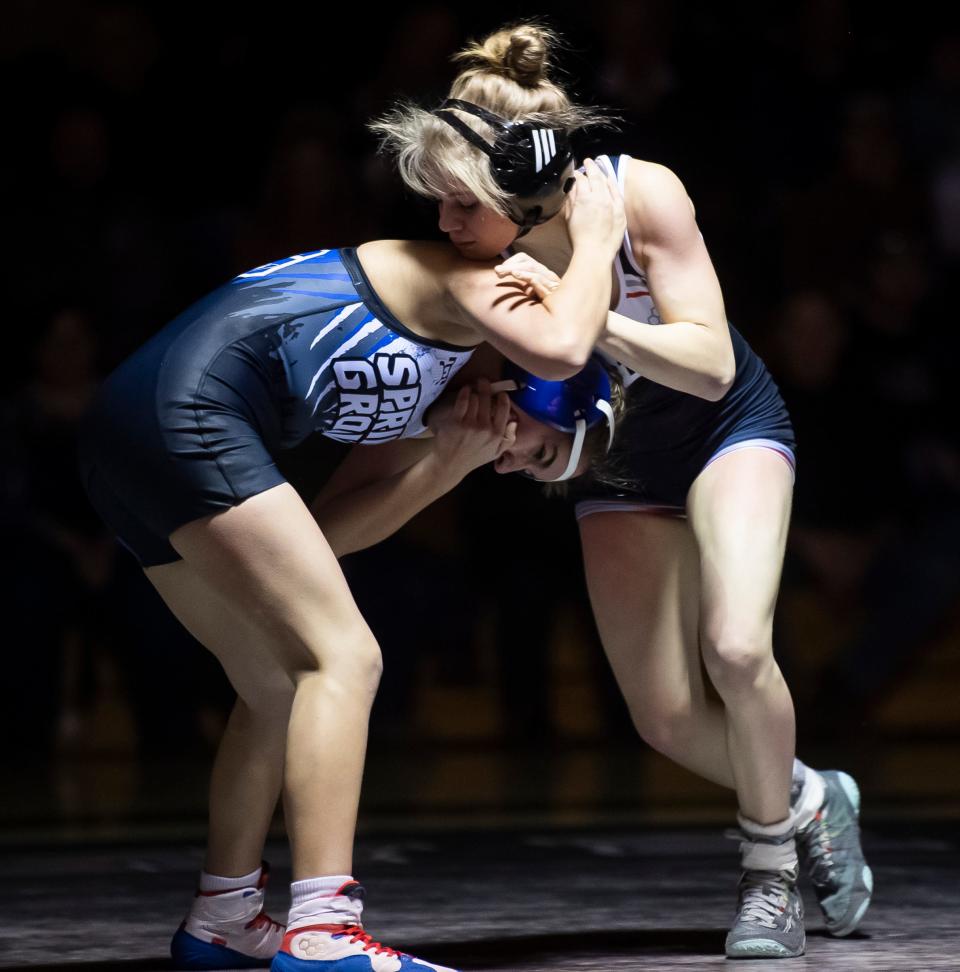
(449, 216)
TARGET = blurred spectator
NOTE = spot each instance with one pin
(415, 65)
(637, 72)
(308, 199)
(59, 559)
(103, 243)
(89, 615)
(837, 517)
(912, 586)
(877, 514)
(831, 229)
(932, 105)
(522, 552)
(423, 612)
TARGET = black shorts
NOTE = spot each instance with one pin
(668, 438)
(185, 427)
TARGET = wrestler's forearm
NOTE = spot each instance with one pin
(683, 355)
(364, 516)
(578, 306)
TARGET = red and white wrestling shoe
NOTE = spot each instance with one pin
(227, 930)
(312, 944)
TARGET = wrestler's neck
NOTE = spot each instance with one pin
(549, 243)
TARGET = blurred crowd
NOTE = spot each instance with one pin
(152, 156)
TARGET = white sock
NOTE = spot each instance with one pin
(811, 796)
(215, 882)
(319, 901)
(768, 853)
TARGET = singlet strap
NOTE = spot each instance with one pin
(364, 289)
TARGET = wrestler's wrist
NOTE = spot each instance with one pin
(443, 469)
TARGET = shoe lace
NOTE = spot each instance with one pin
(764, 896)
(357, 934)
(819, 845)
(263, 922)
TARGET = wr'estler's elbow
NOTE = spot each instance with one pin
(720, 381)
(574, 357)
(561, 362)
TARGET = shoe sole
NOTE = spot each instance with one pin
(762, 948)
(285, 962)
(193, 955)
(852, 792)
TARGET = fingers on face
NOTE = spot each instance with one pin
(501, 413)
(462, 403)
(473, 408)
(508, 438)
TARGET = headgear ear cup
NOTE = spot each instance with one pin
(534, 165)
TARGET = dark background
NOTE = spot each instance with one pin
(155, 150)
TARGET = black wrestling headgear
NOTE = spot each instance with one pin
(534, 165)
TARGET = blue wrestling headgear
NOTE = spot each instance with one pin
(535, 165)
(573, 405)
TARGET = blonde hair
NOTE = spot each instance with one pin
(508, 73)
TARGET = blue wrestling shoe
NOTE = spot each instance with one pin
(831, 855)
(342, 948)
(227, 930)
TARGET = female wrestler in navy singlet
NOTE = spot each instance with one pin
(706, 442)
(178, 457)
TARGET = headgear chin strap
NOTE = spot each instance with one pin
(534, 165)
(573, 405)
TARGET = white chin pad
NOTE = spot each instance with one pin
(607, 410)
(575, 452)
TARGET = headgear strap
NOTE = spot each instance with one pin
(534, 165)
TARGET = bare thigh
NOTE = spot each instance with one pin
(254, 671)
(275, 575)
(643, 577)
(739, 508)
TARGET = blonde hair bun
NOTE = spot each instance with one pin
(520, 52)
(505, 73)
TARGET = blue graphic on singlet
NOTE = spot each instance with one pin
(353, 371)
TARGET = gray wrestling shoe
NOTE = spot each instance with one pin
(769, 921)
(831, 856)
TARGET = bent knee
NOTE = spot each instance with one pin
(738, 663)
(264, 688)
(353, 661)
(269, 699)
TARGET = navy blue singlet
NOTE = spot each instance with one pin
(190, 423)
(668, 436)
